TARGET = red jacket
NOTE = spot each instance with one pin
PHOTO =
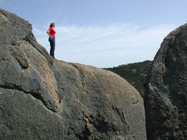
(52, 32)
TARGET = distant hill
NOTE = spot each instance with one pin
(134, 73)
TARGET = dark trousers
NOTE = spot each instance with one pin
(52, 44)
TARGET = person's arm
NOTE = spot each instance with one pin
(48, 32)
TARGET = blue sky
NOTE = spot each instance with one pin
(102, 33)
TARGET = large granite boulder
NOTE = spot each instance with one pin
(166, 89)
(42, 98)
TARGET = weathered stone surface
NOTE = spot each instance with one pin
(105, 106)
(42, 98)
(166, 89)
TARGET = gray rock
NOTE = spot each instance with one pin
(42, 98)
(166, 89)
(105, 105)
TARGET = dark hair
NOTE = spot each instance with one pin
(52, 24)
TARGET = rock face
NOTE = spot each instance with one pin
(42, 98)
(166, 89)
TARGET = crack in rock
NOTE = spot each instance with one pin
(35, 95)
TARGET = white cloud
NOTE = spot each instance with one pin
(106, 46)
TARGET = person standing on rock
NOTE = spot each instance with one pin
(51, 32)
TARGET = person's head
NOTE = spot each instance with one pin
(52, 24)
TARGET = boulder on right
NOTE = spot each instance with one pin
(166, 89)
